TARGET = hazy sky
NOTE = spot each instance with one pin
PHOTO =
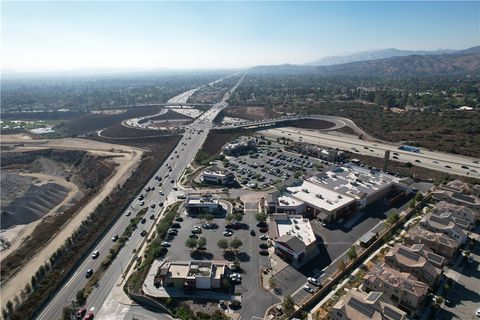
(76, 35)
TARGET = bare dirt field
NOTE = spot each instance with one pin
(125, 158)
(251, 113)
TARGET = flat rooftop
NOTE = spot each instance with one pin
(200, 201)
(354, 181)
(287, 201)
(294, 225)
(319, 196)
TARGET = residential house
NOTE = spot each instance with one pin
(358, 305)
(405, 259)
(401, 288)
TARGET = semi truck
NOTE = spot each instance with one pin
(409, 148)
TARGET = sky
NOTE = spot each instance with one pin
(66, 35)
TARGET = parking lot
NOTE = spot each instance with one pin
(248, 254)
(333, 240)
(269, 166)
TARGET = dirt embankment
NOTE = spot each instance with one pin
(102, 167)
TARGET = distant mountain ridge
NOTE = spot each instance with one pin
(458, 62)
(375, 55)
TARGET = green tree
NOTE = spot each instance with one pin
(261, 217)
(81, 297)
(288, 306)
(352, 253)
(392, 218)
(191, 243)
(202, 242)
(236, 243)
(418, 197)
(229, 218)
(297, 174)
(238, 216)
(209, 217)
(222, 244)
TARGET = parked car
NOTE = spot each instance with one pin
(313, 281)
(252, 232)
(143, 220)
(143, 233)
(227, 233)
(95, 254)
(166, 244)
(308, 289)
(115, 238)
(179, 219)
(128, 213)
(263, 237)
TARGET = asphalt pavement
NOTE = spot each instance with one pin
(434, 160)
(179, 159)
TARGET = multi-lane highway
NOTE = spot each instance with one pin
(175, 164)
(451, 163)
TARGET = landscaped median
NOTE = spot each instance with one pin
(154, 250)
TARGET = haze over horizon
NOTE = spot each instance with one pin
(62, 36)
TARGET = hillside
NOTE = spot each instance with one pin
(375, 55)
(461, 62)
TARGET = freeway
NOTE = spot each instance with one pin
(435, 160)
(174, 166)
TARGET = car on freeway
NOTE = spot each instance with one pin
(227, 233)
(447, 166)
(89, 316)
(95, 254)
(308, 289)
(416, 160)
(313, 281)
(80, 312)
(395, 157)
(465, 167)
(89, 273)
(115, 238)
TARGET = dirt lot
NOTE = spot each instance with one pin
(251, 113)
(126, 158)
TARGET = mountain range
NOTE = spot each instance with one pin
(457, 62)
(375, 55)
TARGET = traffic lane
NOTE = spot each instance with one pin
(79, 283)
(424, 153)
(426, 158)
